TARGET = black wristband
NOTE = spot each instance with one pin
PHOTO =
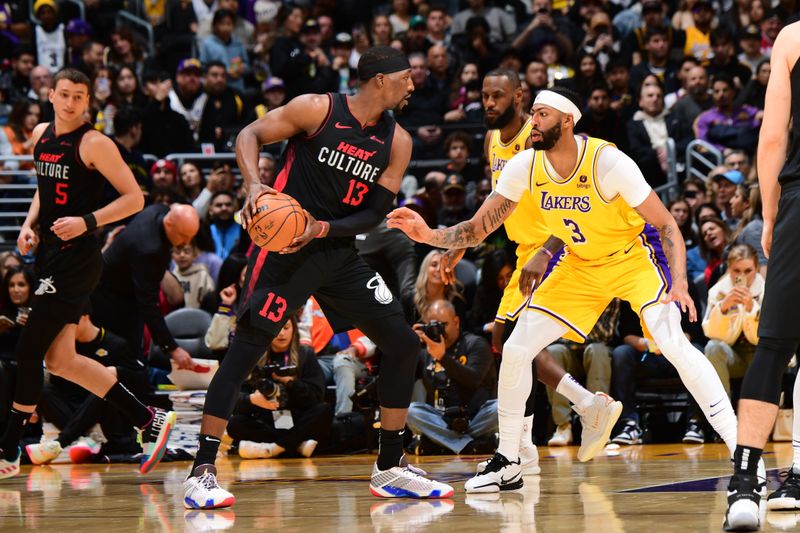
(91, 222)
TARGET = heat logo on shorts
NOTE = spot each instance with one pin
(45, 287)
(382, 293)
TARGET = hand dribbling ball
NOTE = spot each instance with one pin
(277, 221)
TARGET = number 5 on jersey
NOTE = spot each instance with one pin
(61, 193)
(274, 308)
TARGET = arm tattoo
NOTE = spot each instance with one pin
(466, 235)
(666, 233)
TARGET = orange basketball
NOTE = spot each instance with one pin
(277, 221)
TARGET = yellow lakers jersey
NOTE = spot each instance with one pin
(575, 211)
(525, 225)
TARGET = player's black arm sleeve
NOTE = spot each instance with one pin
(377, 205)
(147, 274)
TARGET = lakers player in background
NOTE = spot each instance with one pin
(594, 201)
(509, 133)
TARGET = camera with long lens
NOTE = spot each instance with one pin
(434, 330)
(272, 390)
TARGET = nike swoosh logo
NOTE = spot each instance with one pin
(628, 250)
(715, 414)
(541, 184)
(373, 138)
(340, 126)
(503, 480)
(713, 405)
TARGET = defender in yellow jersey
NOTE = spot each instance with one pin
(590, 194)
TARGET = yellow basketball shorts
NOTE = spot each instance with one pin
(513, 302)
(578, 291)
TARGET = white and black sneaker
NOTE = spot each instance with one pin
(787, 497)
(500, 474)
(630, 434)
(694, 433)
(743, 501)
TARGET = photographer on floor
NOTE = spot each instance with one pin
(281, 405)
(460, 378)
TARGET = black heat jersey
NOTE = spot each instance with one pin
(67, 187)
(331, 172)
(791, 170)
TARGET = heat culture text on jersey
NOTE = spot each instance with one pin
(351, 160)
(48, 166)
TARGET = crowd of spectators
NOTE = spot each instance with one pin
(651, 74)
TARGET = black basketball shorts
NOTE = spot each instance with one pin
(66, 275)
(331, 270)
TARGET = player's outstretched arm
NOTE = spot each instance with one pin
(494, 211)
(655, 213)
(772, 138)
(303, 114)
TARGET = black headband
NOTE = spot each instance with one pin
(385, 66)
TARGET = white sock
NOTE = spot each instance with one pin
(572, 390)
(533, 332)
(796, 427)
(526, 439)
(694, 369)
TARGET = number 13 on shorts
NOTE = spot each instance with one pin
(274, 307)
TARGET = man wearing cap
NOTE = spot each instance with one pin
(273, 95)
(652, 17)
(48, 36)
(502, 26)
(416, 38)
(78, 34)
(301, 63)
(164, 130)
(725, 184)
(750, 44)
(223, 111)
(454, 201)
(595, 201)
(698, 37)
(188, 97)
(341, 48)
(163, 173)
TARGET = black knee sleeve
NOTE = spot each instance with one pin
(43, 326)
(247, 347)
(762, 381)
(400, 349)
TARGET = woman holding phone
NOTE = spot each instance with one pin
(14, 300)
(731, 319)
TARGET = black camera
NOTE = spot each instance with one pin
(434, 330)
(457, 418)
(543, 11)
(272, 390)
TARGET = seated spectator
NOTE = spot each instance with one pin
(441, 75)
(714, 238)
(476, 46)
(127, 135)
(698, 36)
(345, 77)
(547, 25)
(694, 190)
(187, 97)
(125, 50)
(222, 112)
(219, 179)
(592, 361)
(588, 75)
(648, 135)
(381, 31)
(747, 203)
(267, 165)
(92, 58)
(18, 132)
(400, 15)
(41, 83)
(242, 29)
(657, 62)
(688, 108)
(426, 107)
(496, 270)
(225, 303)
(192, 275)
(470, 109)
(224, 47)
(9, 259)
(727, 125)
(600, 42)
(466, 73)
(429, 288)
(191, 181)
(460, 378)
(458, 147)
(724, 59)
(125, 90)
(755, 91)
(227, 234)
(17, 79)
(724, 183)
(273, 95)
(687, 64)
(502, 26)
(48, 36)
(731, 318)
(738, 160)
(343, 356)
(551, 55)
(281, 406)
(637, 358)
(454, 202)
(750, 44)
(599, 119)
(681, 212)
(634, 47)
(618, 76)
(164, 130)
(535, 78)
(17, 292)
(74, 411)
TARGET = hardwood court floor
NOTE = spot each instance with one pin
(664, 488)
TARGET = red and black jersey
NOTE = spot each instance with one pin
(67, 187)
(331, 172)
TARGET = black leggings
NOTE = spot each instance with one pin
(763, 378)
(396, 340)
(312, 423)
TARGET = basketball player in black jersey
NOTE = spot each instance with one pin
(72, 162)
(343, 163)
(779, 178)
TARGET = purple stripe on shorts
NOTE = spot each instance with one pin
(653, 240)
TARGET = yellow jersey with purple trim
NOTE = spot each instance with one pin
(525, 225)
(574, 209)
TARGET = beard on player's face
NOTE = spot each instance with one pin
(501, 120)
(549, 137)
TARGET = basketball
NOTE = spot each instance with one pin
(277, 221)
